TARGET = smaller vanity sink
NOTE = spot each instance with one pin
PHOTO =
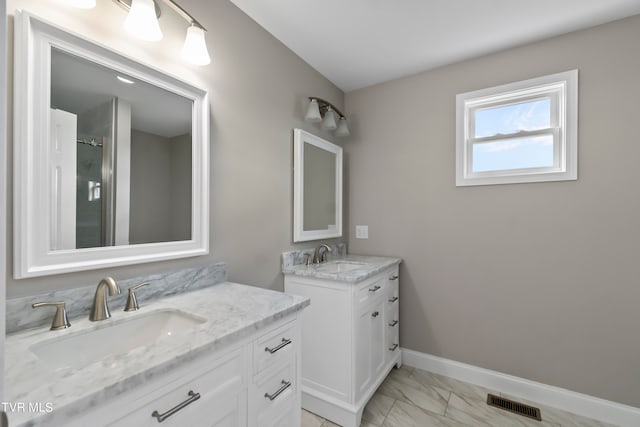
(114, 338)
(340, 266)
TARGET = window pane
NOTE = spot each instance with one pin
(532, 115)
(515, 153)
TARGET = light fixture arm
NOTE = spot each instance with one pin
(186, 15)
(126, 4)
(325, 105)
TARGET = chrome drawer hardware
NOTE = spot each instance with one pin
(376, 288)
(192, 398)
(285, 385)
(284, 343)
(394, 277)
(375, 314)
(393, 347)
(60, 320)
(393, 299)
(394, 323)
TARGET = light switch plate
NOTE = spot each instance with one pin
(362, 231)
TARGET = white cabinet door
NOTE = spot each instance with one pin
(363, 360)
(377, 339)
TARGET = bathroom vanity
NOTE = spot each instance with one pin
(351, 332)
(226, 355)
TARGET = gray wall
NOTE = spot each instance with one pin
(180, 209)
(257, 89)
(535, 280)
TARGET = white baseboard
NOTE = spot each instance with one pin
(567, 400)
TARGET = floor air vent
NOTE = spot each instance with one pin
(513, 406)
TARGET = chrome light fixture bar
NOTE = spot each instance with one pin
(144, 26)
(325, 112)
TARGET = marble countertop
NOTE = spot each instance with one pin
(368, 267)
(232, 312)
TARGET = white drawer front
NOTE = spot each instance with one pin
(370, 292)
(206, 400)
(275, 394)
(275, 348)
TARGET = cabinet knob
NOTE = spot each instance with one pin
(394, 277)
(375, 314)
(393, 347)
(376, 288)
(393, 299)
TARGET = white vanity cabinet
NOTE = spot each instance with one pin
(252, 383)
(349, 342)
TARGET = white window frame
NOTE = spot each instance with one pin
(561, 89)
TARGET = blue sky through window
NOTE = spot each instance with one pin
(513, 153)
(530, 115)
(516, 153)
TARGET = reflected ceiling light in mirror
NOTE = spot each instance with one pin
(323, 111)
(125, 80)
(194, 49)
(142, 21)
(81, 4)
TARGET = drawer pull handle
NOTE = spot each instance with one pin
(393, 347)
(394, 323)
(375, 314)
(393, 299)
(285, 342)
(376, 288)
(394, 277)
(285, 385)
(192, 398)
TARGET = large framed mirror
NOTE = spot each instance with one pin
(317, 188)
(110, 156)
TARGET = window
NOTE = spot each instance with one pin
(519, 132)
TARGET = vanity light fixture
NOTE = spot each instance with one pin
(323, 111)
(142, 22)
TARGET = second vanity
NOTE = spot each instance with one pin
(226, 355)
(351, 331)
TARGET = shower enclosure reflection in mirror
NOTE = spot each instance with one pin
(110, 157)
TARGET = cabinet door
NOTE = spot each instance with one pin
(377, 339)
(362, 360)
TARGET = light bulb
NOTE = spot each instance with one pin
(342, 130)
(313, 112)
(194, 49)
(142, 21)
(329, 121)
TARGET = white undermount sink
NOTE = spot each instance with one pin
(340, 266)
(81, 349)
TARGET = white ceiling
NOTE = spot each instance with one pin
(358, 43)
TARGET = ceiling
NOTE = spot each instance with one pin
(358, 43)
(78, 86)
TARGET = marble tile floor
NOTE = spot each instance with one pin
(414, 398)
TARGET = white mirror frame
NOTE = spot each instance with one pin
(34, 39)
(300, 138)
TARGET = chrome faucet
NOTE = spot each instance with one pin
(320, 256)
(100, 309)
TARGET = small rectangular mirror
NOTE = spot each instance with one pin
(317, 188)
(111, 157)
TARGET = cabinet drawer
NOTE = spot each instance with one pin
(275, 348)
(275, 395)
(371, 291)
(213, 397)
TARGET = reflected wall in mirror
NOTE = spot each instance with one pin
(123, 158)
(317, 192)
(111, 157)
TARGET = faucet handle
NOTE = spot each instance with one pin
(307, 259)
(60, 319)
(132, 302)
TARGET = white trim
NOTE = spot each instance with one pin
(34, 39)
(3, 184)
(566, 400)
(562, 89)
(300, 138)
